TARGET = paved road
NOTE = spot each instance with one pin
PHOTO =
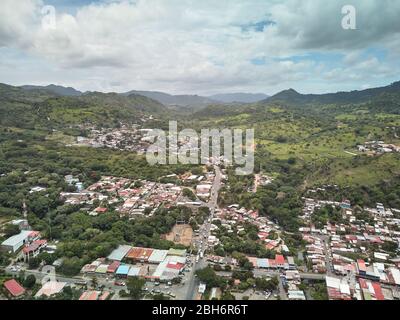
(328, 262)
(102, 281)
(205, 231)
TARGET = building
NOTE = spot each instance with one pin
(14, 288)
(177, 252)
(123, 271)
(292, 264)
(51, 288)
(202, 288)
(119, 253)
(140, 254)
(371, 290)
(338, 289)
(94, 295)
(280, 261)
(296, 295)
(33, 249)
(113, 267)
(14, 243)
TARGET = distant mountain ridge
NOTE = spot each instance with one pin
(201, 101)
(196, 102)
(184, 100)
(239, 97)
(175, 100)
(291, 96)
(60, 90)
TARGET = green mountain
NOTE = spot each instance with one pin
(187, 101)
(59, 90)
(35, 108)
(239, 97)
(292, 97)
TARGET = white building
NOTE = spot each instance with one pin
(16, 242)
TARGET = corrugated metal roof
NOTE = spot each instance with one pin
(119, 253)
(14, 240)
(102, 268)
(262, 263)
(177, 252)
(134, 272)
(158, 256)
(123, 270)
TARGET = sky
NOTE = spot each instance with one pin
(200, 47)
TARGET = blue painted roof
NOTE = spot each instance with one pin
(124, 269)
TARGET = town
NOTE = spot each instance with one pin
(341, 252)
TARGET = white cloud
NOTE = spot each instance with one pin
(199, 46)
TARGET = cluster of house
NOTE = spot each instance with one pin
(316, 253)
(354, 251)
(151, 264)
(378, 147)
(348, 288)
(130, 197)
(201, 183)
(311, 205)
(261, 180)
(124, 138)
(291, 280)
(233, 218)
(290, 276)
(223, 261)
(74, 181)
(278, 263)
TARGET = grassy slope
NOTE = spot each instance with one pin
(326, 137)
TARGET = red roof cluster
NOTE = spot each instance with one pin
(34, 246)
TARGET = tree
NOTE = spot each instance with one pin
(11, 230)
(160, 296)
(189, 194)
(34, 263)
(46, 257)
(30, 281)
(227, 296)
(135, 287)
(94, 282)
(71, 266)
(208, 276)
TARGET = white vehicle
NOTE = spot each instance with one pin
(201, 254)
(197, 258)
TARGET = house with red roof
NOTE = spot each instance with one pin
(280, 261)
(14, 288)
(33, 249)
